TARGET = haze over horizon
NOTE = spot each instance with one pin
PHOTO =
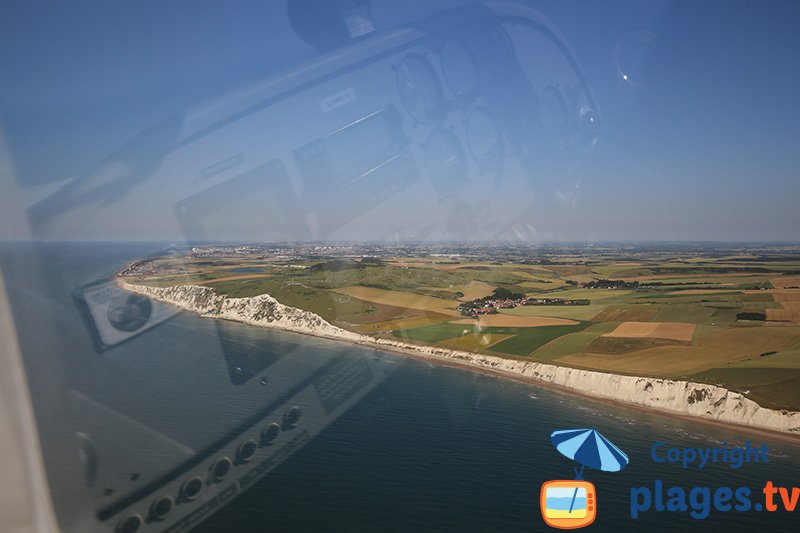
(443, 243)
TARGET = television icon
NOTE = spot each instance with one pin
(568, 504)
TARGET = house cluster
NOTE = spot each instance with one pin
(490, 305)
(226, 251)
(611, 284)
(556, 301)
(150, 268)
(140, 268)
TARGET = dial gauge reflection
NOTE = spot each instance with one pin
(484, 140)
(553, 109)
(458, 69)
(419, 89)
(445, 163)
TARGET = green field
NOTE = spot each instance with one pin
(439, 332)
(573, 342)
(694, 314)
(528, 340)
(771, 387)
(575, 312)
(523, 341)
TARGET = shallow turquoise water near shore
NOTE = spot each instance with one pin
(430, 448)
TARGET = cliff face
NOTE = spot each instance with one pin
(680, 397)
(262, 310)
(675, 396)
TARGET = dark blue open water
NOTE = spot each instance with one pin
(428, 449)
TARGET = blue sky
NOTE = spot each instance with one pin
(702, 142)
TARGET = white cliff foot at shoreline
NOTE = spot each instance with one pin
(700, 400)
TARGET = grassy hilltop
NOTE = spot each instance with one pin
(732, 320)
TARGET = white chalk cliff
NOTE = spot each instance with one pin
(674, 396)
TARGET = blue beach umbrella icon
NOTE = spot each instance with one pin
(589, 448)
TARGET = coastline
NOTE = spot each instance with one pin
(782, 436)
(682, 399)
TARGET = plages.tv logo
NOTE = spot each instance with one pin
(572, 504)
